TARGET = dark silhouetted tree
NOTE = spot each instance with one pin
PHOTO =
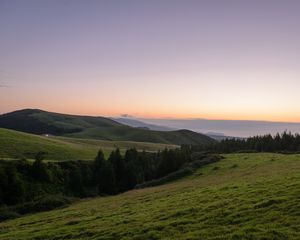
(14, 190)
(40, 171)
(118, 164)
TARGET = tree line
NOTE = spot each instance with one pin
(22, 181)
(27, 186)
(284, 143)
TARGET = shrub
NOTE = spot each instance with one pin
(170, 177)
(6, 214)
(44, 203)
(234, 166)
(186, 170)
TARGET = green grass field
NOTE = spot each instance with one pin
(244, 196)
(15, 145)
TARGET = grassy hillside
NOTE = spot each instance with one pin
(14, 144)
(42, 122)
(244, 196)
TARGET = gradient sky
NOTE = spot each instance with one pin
(182, 59)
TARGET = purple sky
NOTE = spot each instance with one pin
(203, 59)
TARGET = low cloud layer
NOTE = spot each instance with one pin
(125, 115)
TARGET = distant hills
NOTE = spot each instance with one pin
(234, 128)
(140, 124)
(42, 122)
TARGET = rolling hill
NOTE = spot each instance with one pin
(244, 196)
(41, 122)
(16, 145)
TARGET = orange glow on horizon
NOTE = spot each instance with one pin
(284, 117)
(199, 60)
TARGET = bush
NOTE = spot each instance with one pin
(186, 170)
(6, 214)
(247, 151)
(45, 203)
(170, 177)
(234, 166)
(204, 161)
(195, 156)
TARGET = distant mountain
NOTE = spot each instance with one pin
(41, 122)
(236, 128)
(139, 124)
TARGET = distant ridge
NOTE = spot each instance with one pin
(234, 128)
(139, 124)
(37, 121)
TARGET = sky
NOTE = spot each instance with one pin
(210, 59)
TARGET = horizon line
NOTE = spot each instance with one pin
(153, 118)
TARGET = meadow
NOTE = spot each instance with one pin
(244, 196)
(18, 145)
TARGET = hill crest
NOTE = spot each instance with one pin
(38, 121)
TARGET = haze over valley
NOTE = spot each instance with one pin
(237, 128)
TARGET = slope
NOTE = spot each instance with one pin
(245, 196)
(15, 145)
(42, 122)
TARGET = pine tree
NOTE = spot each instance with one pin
(118, 164)
(107, 184)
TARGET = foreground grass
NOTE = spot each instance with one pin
(245, 196)
(16, 145)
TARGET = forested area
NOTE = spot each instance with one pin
(281, 143)
(36, 186)
(27, 186)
